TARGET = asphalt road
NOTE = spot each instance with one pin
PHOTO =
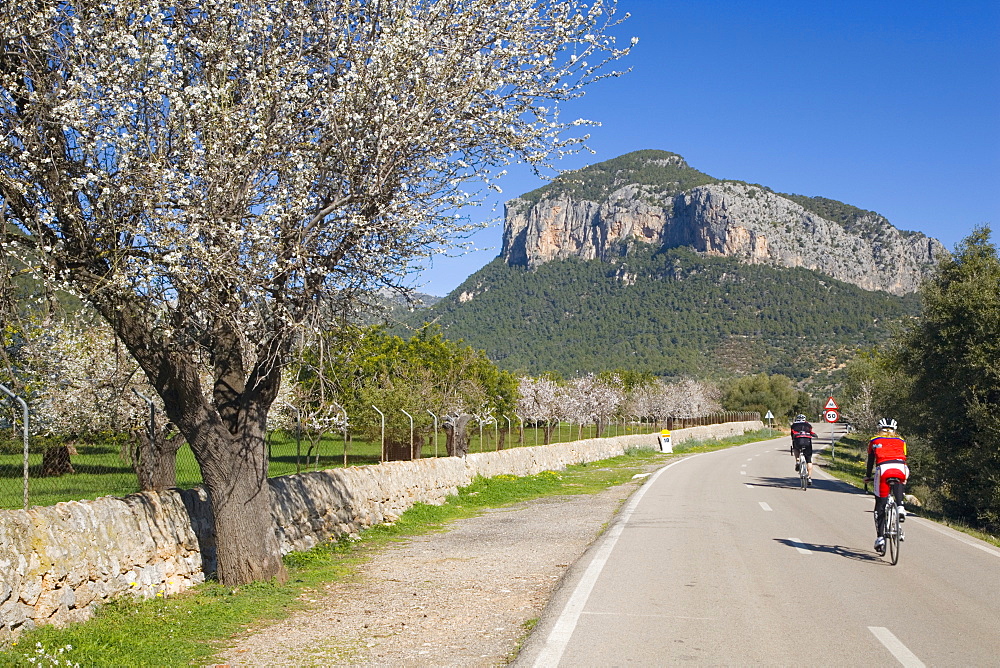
(720, 559)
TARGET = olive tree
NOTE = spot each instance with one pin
(761, 393)
(215, 178)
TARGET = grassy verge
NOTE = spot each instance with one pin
(190, 628)
(847, 462)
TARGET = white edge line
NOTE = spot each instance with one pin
(764, 506)
(956, 535)
(897, 648)
(555, 644)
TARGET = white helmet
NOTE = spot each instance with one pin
(887, 423)
(800, 418)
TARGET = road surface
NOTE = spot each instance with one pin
(720, 559)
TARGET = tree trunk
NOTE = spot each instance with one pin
(225, 428)
(457, 435)
(233, 467)
(56, 461)
(155, 464)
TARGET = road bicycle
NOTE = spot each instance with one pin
(892, 530)
(803, 471)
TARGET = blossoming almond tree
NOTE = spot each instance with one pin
(540, 400)
(213, 177)
(79, 382)
(597, 399)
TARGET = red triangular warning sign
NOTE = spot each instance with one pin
(830, 403)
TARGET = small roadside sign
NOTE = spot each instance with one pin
(769, 416)
(831, 405)
(664, 440)
(831, 416)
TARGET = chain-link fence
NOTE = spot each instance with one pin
(55, 471)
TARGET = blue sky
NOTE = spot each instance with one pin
(889, 106)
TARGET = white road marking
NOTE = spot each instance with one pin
(555, 645)
(764, 506)
(743, 472)
(898, 649)
(626, 614)
(961, 538)
(951, 533)
(749, 486)
(800, 546)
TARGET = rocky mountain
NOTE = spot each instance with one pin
(654, 197)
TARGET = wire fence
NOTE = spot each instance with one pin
(53, 471)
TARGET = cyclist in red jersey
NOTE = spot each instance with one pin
(886, 459)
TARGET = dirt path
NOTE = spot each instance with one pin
(461, 597)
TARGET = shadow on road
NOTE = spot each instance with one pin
(838, 550)
(792, 482)
(786, 483)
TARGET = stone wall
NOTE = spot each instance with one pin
(58, 562)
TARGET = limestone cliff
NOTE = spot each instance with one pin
(597, 217)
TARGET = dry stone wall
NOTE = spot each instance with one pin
(57, 563)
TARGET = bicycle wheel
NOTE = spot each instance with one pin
(803, 473)
(892, 531)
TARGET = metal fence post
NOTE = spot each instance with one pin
(411, 432)
(382, 415)
(435, 431)
(343, 430)
(24, 428)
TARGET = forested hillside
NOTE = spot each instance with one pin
(672, 312)
(662, 172)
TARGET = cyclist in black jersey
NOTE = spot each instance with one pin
(802, 436)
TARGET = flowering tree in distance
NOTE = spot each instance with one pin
(216, 178)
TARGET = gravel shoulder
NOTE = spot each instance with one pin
(464, 596)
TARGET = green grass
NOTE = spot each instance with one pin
(102, 470)
(847, 459)
(190, 628)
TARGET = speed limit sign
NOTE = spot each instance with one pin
(831, 416)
